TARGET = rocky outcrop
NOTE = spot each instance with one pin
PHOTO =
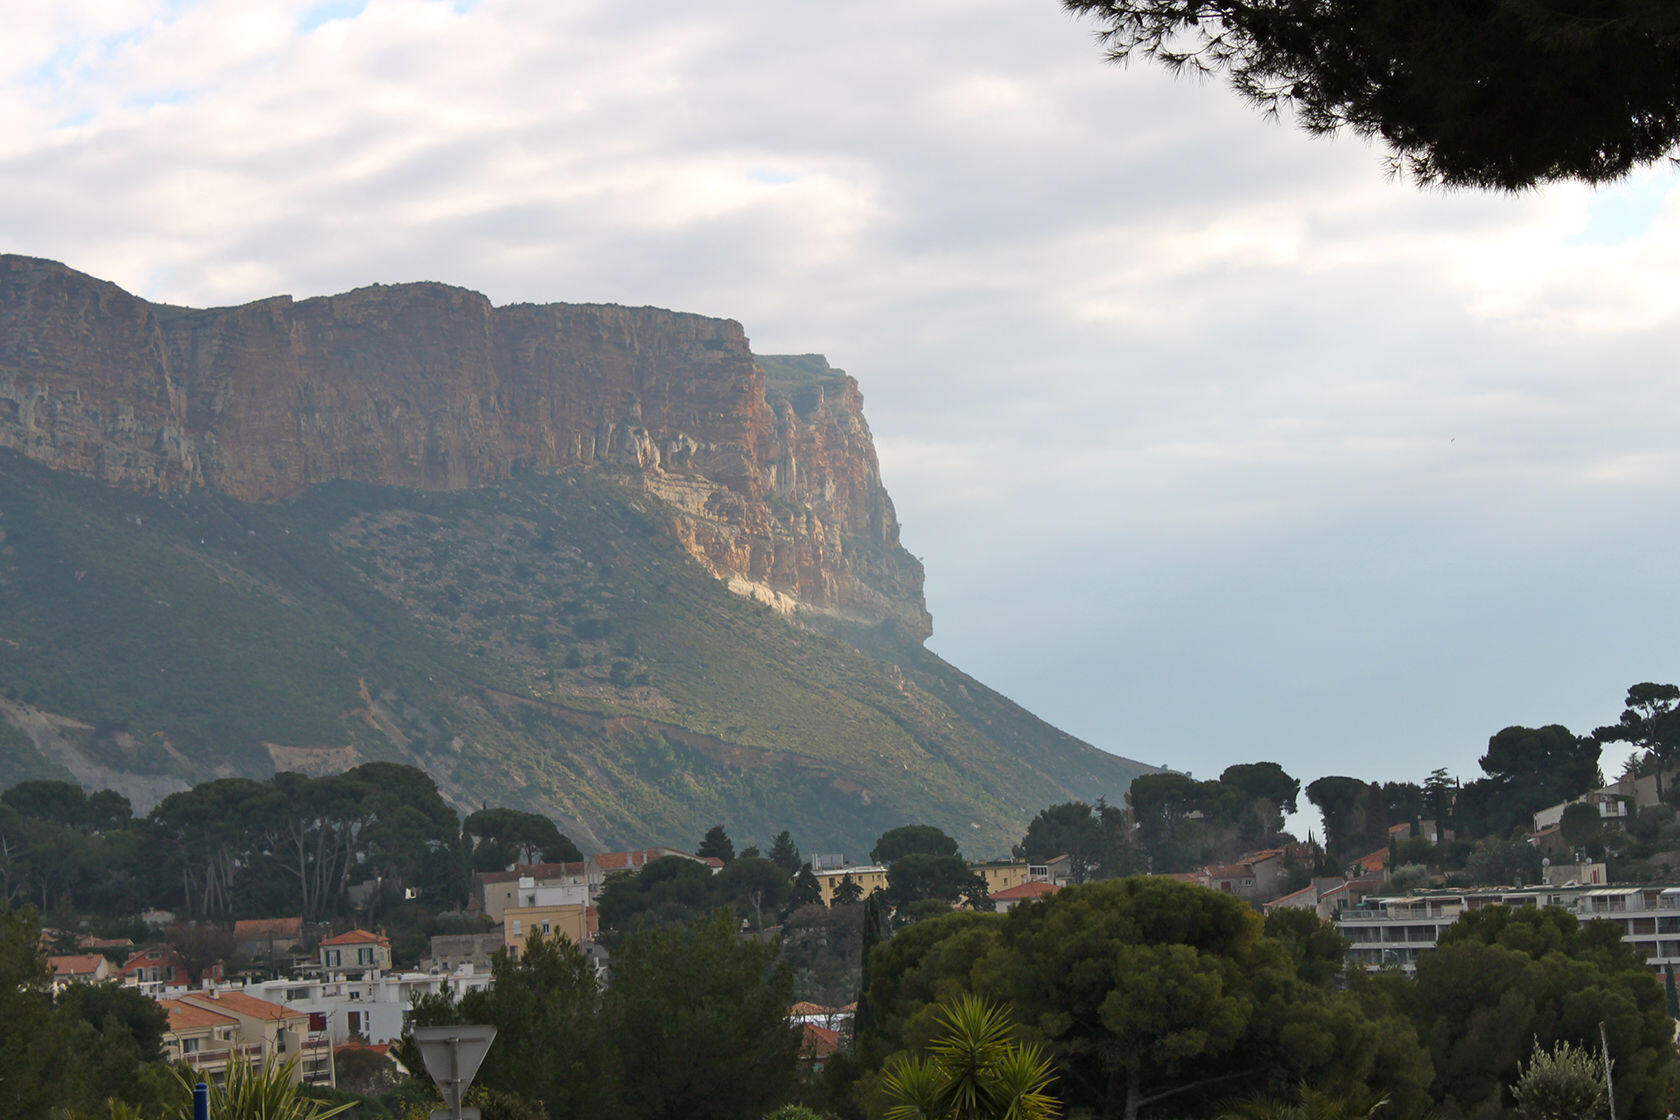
(767, 466)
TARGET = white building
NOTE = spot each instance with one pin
(1392, 932)
(374, 1008)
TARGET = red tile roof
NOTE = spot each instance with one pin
(76, 964)
(190, 1016)
(806, 1007)
(1376, 861)
(819, 1042)
(1034, 889)
(242, 1004)
(357, 937)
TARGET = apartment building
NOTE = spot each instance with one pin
(247, 1027)
(1391, 932)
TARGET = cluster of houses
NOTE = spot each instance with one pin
(347, 993)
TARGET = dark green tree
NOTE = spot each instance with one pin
(1265, 781)
(1527, 768)
(716, 844)
(1096, 839)
(784, 853)
(1149, 990)
(1649, 722)
(551, 1045)
(1502, 94)
(919, 875)
(897, 843)
(847, 891)
(806, 890)
(1581, 824)
(505, 836)
(671, 889)
(1354, 821)
(697, 1020)
(753, 886)
(1505, 980)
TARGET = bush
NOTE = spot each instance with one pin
(1563, 1083)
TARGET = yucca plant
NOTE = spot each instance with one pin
(973, 1071)
(258, 1092)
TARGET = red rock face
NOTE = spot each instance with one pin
(773, 485)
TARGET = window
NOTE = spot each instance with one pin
(333, 958)
(518, 927)
(189, 1045)
(354, 1018)
(364, 956)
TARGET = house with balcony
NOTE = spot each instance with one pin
(265, 1031)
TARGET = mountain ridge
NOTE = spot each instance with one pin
(607, 638)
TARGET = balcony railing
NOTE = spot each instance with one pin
(198, 1058)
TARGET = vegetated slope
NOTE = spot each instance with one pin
(542, 642)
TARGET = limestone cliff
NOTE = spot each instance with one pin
(767, 466)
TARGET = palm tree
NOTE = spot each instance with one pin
(973, 1071)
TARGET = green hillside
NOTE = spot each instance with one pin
(542, 643)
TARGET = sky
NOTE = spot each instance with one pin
(1219, 444)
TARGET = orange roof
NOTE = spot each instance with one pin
(357, 937)
(806, 1007)
(249, 928)
(1033, 889)
(1376, 861)
(377, 1047)
(190, 1016)
(819, 1042)
(1183, 877)
(77, 964)
(1230, 871)
(242, 1004)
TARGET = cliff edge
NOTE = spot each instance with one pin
(766, 467)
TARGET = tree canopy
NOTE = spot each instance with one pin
(898, 842)
(1502, 94)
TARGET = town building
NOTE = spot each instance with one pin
(870, 877)
(280, 1033)
(1391, 932)
(78, 968)
(355, 954)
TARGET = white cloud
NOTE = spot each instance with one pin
(1125, 343)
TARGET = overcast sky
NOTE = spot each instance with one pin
(1218, 444)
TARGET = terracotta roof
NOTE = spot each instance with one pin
(806, 1007)
(819, 1042)
(714, 863)
(381, 1048)
(1034, 889)
(247, 929)
(190, 1016)
(1183, 876)
(104, 943)
(1376, 861)
(76, 964)
(243, 1004)
(357, 937)
(1263, 855)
